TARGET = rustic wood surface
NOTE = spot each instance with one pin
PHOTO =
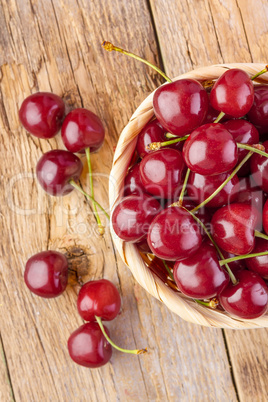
(55, 46)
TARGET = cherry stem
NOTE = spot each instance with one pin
(213, 303)
(100, 226)
(260, 73)
(110, 47)
(230, 273)
(257, 148)
(220, 116)
(77, 187)
(184, 187)
(133, 352)
(155, 146)
(170, 135)
(168, 270)
(224, 183)
(242, 257)
(261, 235)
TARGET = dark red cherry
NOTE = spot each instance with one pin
(55, 169)
(88, 347)
(180, 106)
(235, 266)
(42, 113)
(143, 246)
(174, 234)
(46, 274)
(200, 276)
(233, 93)
(152, 132)
(161, 172)
(82, 129)
(248, 298)
(259, 264)
(132, 216)
(233, 228)
(265, 217)
(200, 187)
(133, 183)
(210, 150)
(258, 114)
(98, 298)
(244, 133)
(259, 169)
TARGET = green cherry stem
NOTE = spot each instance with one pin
(213, 303)
(220, 116)
(242, 257)
(100, 226)
(257, 148)
(170, 135)
(180, 201)
(224, 183)
(155, 146)
(168, 270)
(261, 235)
(133, 352)
(110, 47)
(77, 187)
(260, 73)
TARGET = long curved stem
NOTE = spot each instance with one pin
(260, 73)
(183, 188)
(242, 257)
(255, 148)
(133, 352)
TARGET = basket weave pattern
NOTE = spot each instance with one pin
(185, 307)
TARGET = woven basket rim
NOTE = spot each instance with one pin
(181, 305)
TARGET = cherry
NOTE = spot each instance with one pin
(133, 183)
(82, 129)
(200, 276)
(243, 132)
(210, 150)
(248, 298)
(88, 347)
(55, 169)
(259, 264)
(46, 274)
(180, 106)
(265, 217)
(152, 132)
(233, 228)
(259, 169)
(98, 298)
(174, 234)
(42, 113)
(258, 114)
(233, 93)
(132, 216)
(201, 187)
(161, 172)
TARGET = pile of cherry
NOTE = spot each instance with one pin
(46, 273)
(195, 197)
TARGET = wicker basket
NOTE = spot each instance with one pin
(185, 307)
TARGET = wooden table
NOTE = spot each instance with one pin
(56, 46)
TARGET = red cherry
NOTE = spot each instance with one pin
(233, 228)
(46, 274)
(248, 298)
(161, 172)
(233, 93)
(174, 234)
(133, 183)
(88, 347)
(152, 132)
(132, 216)
(180, 106)
(82, 129)
(258, 114)
(200, 276)
(42, 113)
(55, 169)
(259, 168)
(265, 217)
(259, 264)
(98, 298)
(210, 150)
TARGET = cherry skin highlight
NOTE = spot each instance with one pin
(259, 169)
(248, 298)
(82, 129)
(132, 216)
(46, 274)
(88, 347)
(210, 150)
(233, 93)
(180, 106)
(98, 298)
(200, 275)
(174, 234)
(55, 169)
(41, 114)
(259, 264)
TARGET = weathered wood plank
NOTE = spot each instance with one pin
(6, 390)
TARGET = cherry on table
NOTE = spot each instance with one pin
(41, 114)
(46, 274)
(55, 169)
(88, 347)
